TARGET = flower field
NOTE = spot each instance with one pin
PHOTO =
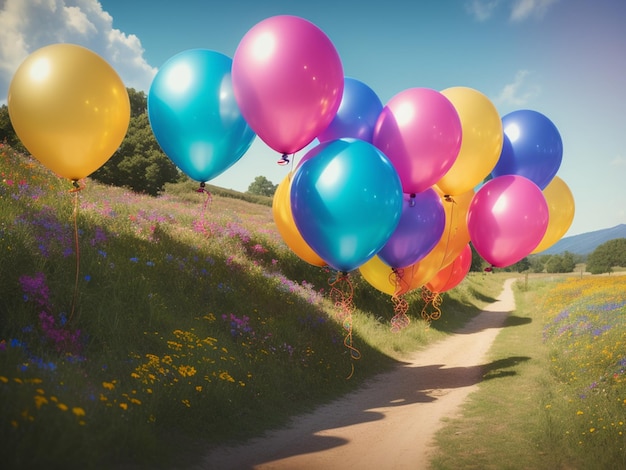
(585, 329)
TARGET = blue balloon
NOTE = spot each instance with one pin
(532, 147)
(194, 115)
(420, 228)
(346, 200)
(357, 114)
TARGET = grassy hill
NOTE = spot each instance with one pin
(135, 329)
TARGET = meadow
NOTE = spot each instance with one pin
(137, 331)
(562, 401)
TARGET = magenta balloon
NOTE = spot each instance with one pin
(420, 131)
(507, 219)
(288, 81)
(357, 114)
(420, 228)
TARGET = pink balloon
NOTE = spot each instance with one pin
(288, 81)
(450, 276)
(420, 131)
(507, 219)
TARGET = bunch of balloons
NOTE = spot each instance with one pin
(397, 191)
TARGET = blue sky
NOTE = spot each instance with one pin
(563, 58)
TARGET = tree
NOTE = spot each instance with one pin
(606, 256)
(261, 186)
(478, 264)
(139, 163)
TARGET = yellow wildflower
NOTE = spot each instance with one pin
(78, 411)
(39, 400)
(108, 385)
(124, 406)
(3, 379)
(62, 406)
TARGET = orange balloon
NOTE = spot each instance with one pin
(482, 140)
(450, 276)
(69, 108)
(561, 210)
(418, 274)
(455, 234)
(281, 210)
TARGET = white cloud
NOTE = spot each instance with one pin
(482, 10)
(27, 25)
(523, 9)
(520, 10)
(517, 93)
(618, 161)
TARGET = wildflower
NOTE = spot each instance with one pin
(40, 400)
(134, 260)
(62, 406)
(124, 406)
(3, 379)
(78, 411)
(579, 412)
(108, 385)
(226, 376)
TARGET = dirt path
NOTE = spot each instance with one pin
(389, 423)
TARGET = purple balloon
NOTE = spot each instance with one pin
(532, 147)
(507, 219)
(357, 113)
(420, 228)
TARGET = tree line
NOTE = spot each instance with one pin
(139, 164)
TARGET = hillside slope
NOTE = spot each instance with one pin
(585, 243)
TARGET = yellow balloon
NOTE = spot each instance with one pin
(561, 210)
(481, 144)
(281, 210)
(69, 108)
(379, 275)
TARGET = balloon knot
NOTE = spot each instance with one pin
(448, 198)
(201, 188)
(412, 200)
(76, 186)
(489, 269)
(284, 160)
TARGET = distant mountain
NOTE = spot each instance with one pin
(586, 243)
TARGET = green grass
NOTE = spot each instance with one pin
(178, 323)
(562, 401)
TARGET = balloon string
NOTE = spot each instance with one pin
(451, 200)
(75, 190)
(207, 201)
(433, 299)
(400, 320)
(342, 294)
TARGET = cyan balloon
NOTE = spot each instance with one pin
(357, 114)
(420, 228)
(194, 115)
(346, 200)
(532, 147)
